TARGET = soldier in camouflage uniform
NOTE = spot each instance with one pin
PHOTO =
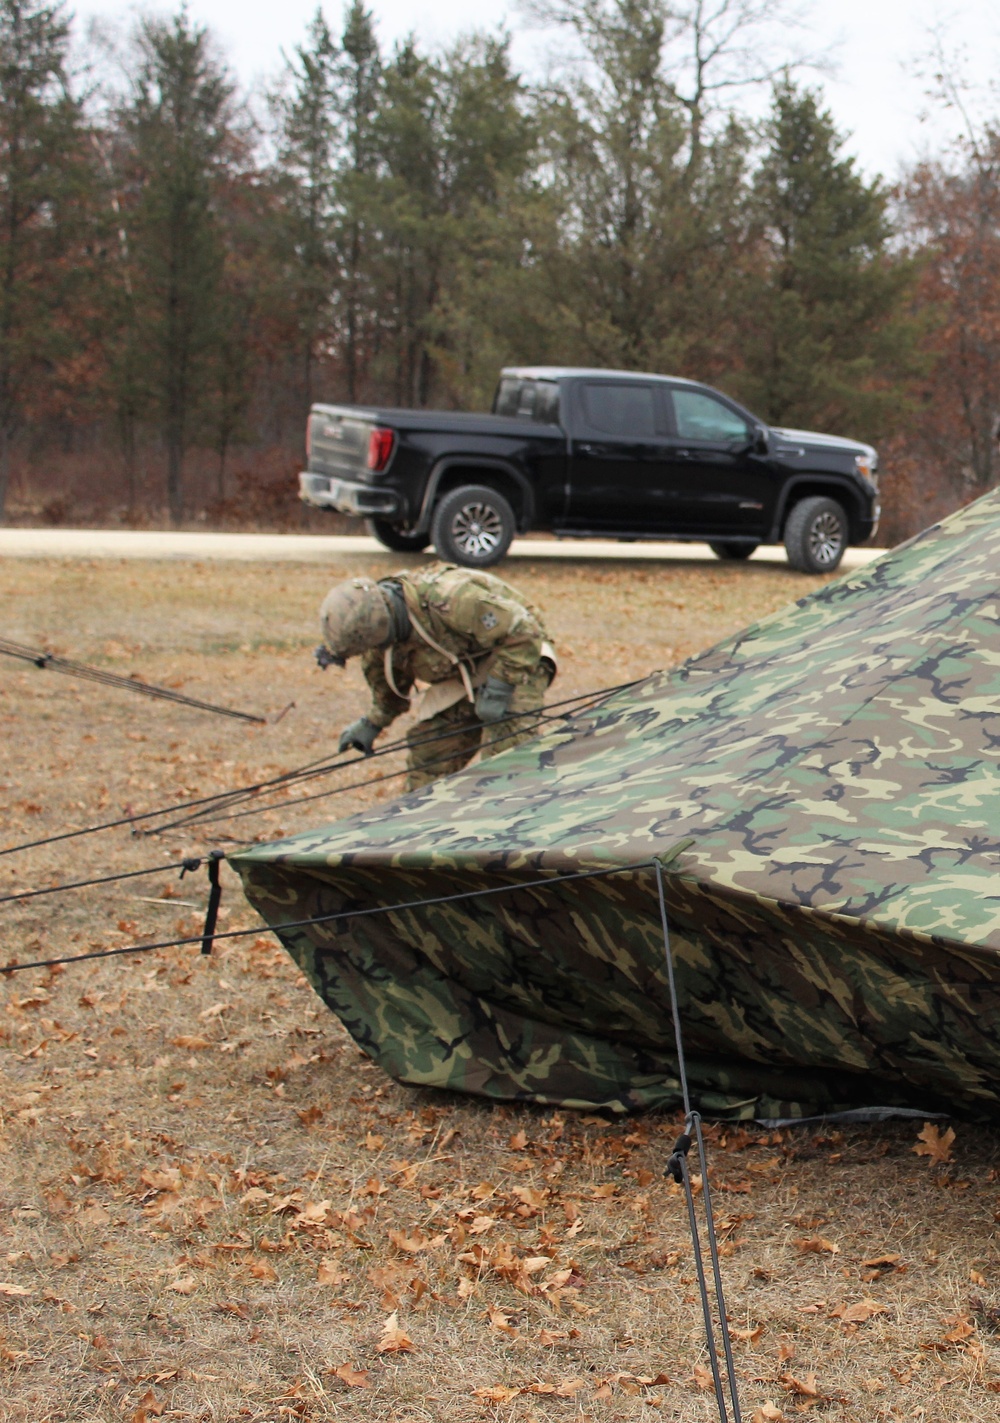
(471, 646)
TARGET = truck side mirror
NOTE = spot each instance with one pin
(758, 440)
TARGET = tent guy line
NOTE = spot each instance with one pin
(186, 866)
(338, 917)
(309, 771)
(207, 817)
(48, 661)
(677, 1170)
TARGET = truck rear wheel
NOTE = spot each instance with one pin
(473, 526)
(391, 537)
(816, 533)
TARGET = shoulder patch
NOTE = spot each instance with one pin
(489, 620)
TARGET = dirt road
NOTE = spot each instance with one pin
(320, 548)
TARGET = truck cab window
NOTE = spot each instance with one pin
(701, 417)
(528, 400)
(619, 408)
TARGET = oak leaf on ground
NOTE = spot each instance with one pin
(818, 1245)
(394, 1340)
(935, 1144)
(328, 1272)
(354, 1378)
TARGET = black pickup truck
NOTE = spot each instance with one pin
(592, 454)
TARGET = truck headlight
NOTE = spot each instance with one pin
(867, 465)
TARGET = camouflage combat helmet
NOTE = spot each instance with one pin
(353, 617)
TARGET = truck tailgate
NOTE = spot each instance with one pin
(338, 442)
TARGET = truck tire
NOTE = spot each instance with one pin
(731, 551)
(391, 537)
(473, 526)
(816, 533)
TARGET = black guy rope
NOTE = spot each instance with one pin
(309, 771)
(186, 866)
(226, 799)
(209, 815)
(340, 916)
(48, 661)
(677, 1169)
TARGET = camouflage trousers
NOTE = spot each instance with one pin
(432, 753)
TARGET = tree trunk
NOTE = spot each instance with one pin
(5, 443)
(175, 475)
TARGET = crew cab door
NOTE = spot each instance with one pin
(622, 475)
(731, 488)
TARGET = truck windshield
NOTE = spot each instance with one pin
(528, 400)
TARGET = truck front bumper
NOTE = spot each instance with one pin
(326, 491)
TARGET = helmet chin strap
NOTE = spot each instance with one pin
(325, 658)
(400, 629)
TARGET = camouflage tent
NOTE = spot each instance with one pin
(835, 914)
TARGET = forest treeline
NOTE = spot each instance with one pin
(182, 270)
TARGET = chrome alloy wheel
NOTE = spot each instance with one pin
(476, 529)
(826, 539)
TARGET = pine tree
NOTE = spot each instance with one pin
(46, 181)
(360, 89)
(826, 339)
(309, 134)
(178, 126)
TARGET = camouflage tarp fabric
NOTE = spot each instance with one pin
(835, 916)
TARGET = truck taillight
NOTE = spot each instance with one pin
(380, 443)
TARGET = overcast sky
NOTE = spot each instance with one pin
(875, 46)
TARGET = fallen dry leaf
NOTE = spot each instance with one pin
(858, 1313)
(802, 1388)
(354, 1378)
(961, 1328)
(14, 1290)
(818, 1245)
(414, 1243)
(394, 1340)
(500, 1320)
(935, 1144)
(768, 1413)
(186, 1285)
(162, 1180)
(328, 1272)
(498, 1393)
(94, 1215)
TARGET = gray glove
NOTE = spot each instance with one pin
(360, 735)
(493, 700)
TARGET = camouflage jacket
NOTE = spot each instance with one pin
(493, 629)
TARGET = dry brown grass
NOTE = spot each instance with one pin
(212, 1204)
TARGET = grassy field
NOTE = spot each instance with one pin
(212, 1206)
